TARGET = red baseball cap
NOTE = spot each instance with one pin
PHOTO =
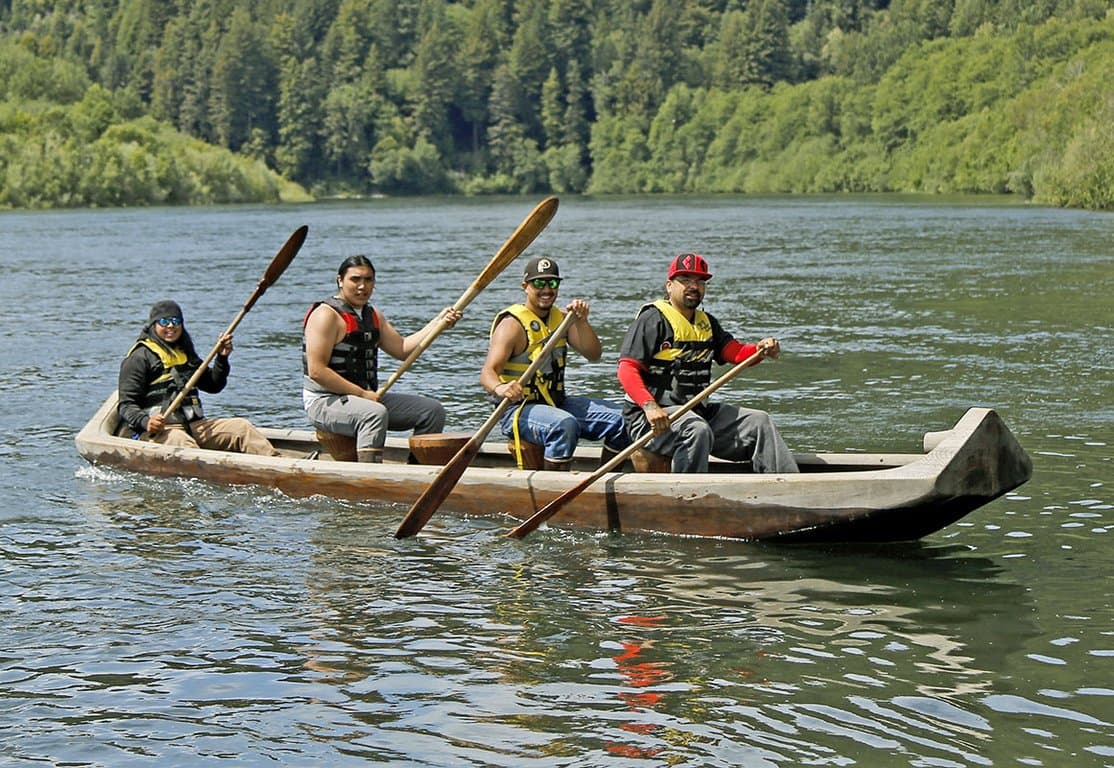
(689, 264)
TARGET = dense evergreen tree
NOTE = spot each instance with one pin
(243, 83)
(484, 35)
(434, 84)
(412, 96)
(298, 98)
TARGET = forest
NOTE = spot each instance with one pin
(180, 102)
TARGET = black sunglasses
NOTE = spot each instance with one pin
(546, 282)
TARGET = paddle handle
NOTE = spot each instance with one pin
(555, 506)
(442, 485)
(527, 231)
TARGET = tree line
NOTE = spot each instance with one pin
(123, 102)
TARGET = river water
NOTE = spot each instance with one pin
(166, 622)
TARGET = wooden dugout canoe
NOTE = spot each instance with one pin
(837, 497)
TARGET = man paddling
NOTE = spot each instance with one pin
(340, 363)
(547, 416)
(157, 368)
(666, 359)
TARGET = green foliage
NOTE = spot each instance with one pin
(565, 168)
(26, 77)
(243, 83)
(984, 114)
(407, 168)
(619, 151)
(56, 156)
(523, 96)
(435, 80)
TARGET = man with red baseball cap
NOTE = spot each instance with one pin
(666, 359)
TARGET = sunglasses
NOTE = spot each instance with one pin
(166, 322)
(546, 282)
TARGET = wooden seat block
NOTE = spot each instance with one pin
(340, 447)
(437, 448)
(533, 455)
(648, 461)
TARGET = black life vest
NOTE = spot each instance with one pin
(356, 356)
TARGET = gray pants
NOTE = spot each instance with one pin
(729, 432)
(368, 420)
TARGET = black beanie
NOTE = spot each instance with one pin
(164, 309)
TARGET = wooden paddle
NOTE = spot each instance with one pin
(529, 229)
(449, 475)
(275, 269)
(555, 506)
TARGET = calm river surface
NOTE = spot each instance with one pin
(162, 622)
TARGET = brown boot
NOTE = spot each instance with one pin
(648, 461)
(370, 455)
(558, 466)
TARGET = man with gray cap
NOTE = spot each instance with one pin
(157, 368)
(546, 415)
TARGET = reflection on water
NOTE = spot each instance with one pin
(570, 648)
(639, 673)
(649, 648)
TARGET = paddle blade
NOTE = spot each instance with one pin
(532, 226)
(438, 491)
(278, 265)
(285, 255)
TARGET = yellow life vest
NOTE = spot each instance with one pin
(683, 367)
(548, 384)
(166, 386)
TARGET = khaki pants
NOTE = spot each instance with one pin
(233, 434)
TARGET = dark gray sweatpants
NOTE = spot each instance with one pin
(730, 432)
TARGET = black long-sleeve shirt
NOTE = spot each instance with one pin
(141, 368)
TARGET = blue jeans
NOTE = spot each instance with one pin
(559, 429)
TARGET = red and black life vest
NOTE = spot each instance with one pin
(356, 356)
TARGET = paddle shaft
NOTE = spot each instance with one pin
(277, 266)
(450, 474)
(555, 506)
(520, 239)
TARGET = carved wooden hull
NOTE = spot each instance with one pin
(837, 497)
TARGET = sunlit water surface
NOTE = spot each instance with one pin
(173, 622)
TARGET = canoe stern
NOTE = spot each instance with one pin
(987, 460)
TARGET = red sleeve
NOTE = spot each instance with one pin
(630, 376)
(734, 352)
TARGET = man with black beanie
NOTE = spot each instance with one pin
(157, 368)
